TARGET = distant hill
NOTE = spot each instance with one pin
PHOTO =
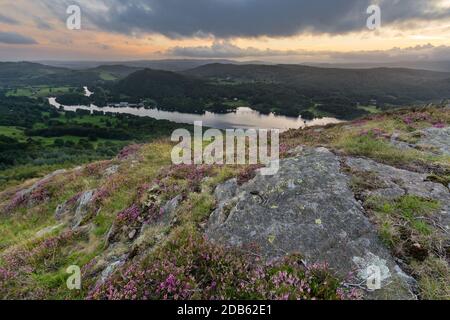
(440, 66)
(282, 89)
(186, 64)
(290, 90)
(155, 84)
(385, 84)
(16, 72)
(114, 72)
(29, 73)
(165, 64)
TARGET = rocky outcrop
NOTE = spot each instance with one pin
(75, 210)
(307, 208)
(35, 194)
(439, 138)
(110, 171)
(142, 234)
(433, 140)
(397, 182)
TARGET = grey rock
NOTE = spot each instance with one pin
(150, 234)
(75, 213)
(132, 234)
(109, 270)
(400, 144)
(438, 138)
(224, 194)
(170, 207)
(306, 208)
(111, 170)
(398, 182)
(26, 193)
(143, 233)
(433, 140)
(60, 210)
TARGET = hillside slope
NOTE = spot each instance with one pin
(155, 84)
(390, 85)
(369, 192)
(19, 74)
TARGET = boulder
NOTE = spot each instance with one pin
(307, 208)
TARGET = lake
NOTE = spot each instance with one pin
(243, 117)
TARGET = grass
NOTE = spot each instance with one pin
(443, 179)
(12, 132)
(38, 91)
(237, 103)
(406, 226)
(366, 180)
(107, 76)
(371, 147)
(383, 151)
(20, 227)
(370, 109)
(405, 212)
(201, 206)
(17, 229)
(16, 175)
(434, 278)
(356, 138)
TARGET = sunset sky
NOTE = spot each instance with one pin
(268, 30)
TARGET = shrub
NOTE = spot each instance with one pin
(193, 268)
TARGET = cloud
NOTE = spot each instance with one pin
(8, 20)
(246, 18)
(417, 53)
(226, 49)
(42, 24)
(15, 38)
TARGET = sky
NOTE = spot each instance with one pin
(264, 30)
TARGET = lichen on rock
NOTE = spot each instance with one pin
(280, 215)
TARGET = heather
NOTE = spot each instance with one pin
(142, 232)
(190, 267)
(40, 258)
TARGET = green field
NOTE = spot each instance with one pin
(107, 76)
(237, 103)
(39, 91)
(12, 132)
(370, 109)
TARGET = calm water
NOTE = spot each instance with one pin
(244, 117)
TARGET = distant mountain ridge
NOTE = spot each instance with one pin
(281, 89)
(185, 64)
(29, 73)
(441, 66)
(396, 82)
(289, 90)
(166, 64)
